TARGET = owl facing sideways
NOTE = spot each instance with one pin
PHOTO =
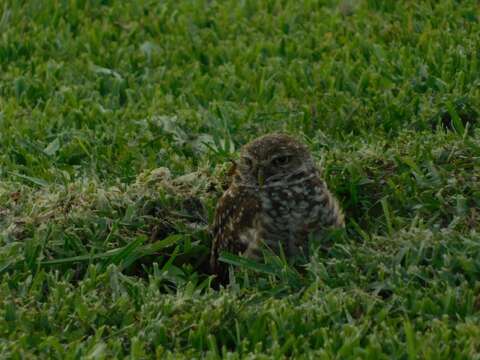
(276, 199)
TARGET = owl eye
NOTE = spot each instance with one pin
(281, 160)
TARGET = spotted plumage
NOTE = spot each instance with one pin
(276, 198)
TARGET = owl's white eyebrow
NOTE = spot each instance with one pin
(281, 155)
(256, 187)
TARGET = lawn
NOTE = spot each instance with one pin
(118, 120)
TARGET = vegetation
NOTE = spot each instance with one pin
(117, 123)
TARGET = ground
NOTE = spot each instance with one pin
(118, 120)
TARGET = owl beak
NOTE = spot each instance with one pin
(260, 177)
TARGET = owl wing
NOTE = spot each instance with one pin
(234, 225)
(331, 214)
(327, 213)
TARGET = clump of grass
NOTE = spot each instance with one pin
(156, 218)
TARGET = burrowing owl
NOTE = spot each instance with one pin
(276, 198)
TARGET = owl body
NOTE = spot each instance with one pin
(276, 199)
(292, 212)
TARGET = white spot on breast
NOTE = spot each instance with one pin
(248, 236)
(267, 219)
(298, 215)
(297, 189)
(303, 204)
(272, 213)
(316, 210)
(266, 203)
(251, 239)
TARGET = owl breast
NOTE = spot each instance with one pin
(289, 213)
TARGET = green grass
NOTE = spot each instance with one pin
(117, 122)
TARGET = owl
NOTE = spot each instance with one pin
(276, 199)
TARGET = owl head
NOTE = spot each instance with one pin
(274, 160)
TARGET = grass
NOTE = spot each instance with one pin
(117, 122)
